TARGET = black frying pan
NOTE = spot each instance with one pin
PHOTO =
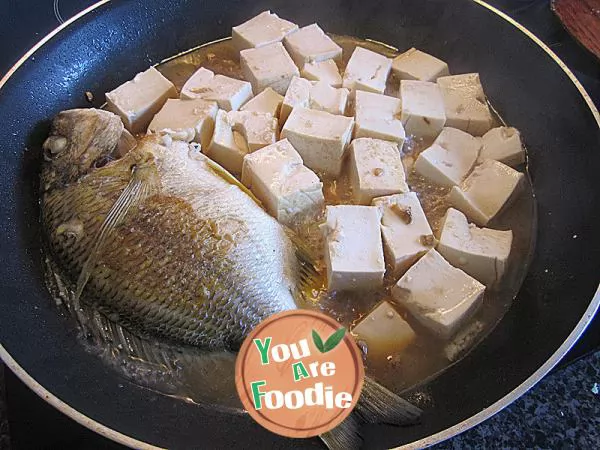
(529, 86)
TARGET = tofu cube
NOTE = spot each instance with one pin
(229, 93)
(438, 295)
(422, 108)
(268, 66)
(378, 116)
(258, 129)
(406, 232)
(384, 331)
(261, 30)
(226, 147)
(199, 79)
(503, 144)
(186, 120)
(414, 64)
(326, 71)
(366, 71)
(353, 251)
(375, 169)
(311, 44)
(485, 191)
(480, 252)
(139, 99)
(268, 101)
(313, 95)
(298, 94)
(126, 143)
(275, 156)
(288, 189)
(450, 158)
(319, 137)
(323, 97)
(465, 103)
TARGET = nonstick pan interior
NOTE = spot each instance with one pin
(110, 44)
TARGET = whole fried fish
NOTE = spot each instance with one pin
(161, 240)
(166, 243)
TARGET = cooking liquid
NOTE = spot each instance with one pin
(208, 377)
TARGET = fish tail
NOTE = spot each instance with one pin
(345, 436)
(375, 405)
(378, 404)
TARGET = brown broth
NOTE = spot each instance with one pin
(205, 377)
(427, 356)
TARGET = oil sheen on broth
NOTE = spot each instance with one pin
(427, 356)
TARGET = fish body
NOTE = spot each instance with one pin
(165, 243)
(159, 240)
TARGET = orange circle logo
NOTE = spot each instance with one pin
(299, 374)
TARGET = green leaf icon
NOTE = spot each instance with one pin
(331, 342)
(317, 340)
(334, 340)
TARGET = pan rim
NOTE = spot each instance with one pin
(440, 436)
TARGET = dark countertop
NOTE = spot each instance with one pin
(562, 411)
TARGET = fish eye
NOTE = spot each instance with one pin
(53, 146)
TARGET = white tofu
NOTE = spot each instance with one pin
(376, 169)
(224, 148)
(319, 137)
(298, 94)
(126, 143)
(503, 144)
(275, 156)
(353, 251)
(261, 30)
(485, 191)
(268, 66)
(186, 120)
(366, 71)
(268, 101)
(288, 189)
(378, 116)
(406, 232)
(422, 108)
(326, 71)
(139, 99)
(480, 252)
(414, 64)
(450, 158)
(384, 331)
(258, 129)
(314, 95)
(465, 103)
(311, 44)
(229, 93)
(199, 79)
(326, 98)
(438, 295)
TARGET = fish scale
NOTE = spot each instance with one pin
(197, 262)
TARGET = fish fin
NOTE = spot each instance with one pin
(345, 436)
(163, 366)
(379, 405)
(227, 176)
(143, 184)
(309, 275)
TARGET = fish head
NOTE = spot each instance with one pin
(78, 139)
